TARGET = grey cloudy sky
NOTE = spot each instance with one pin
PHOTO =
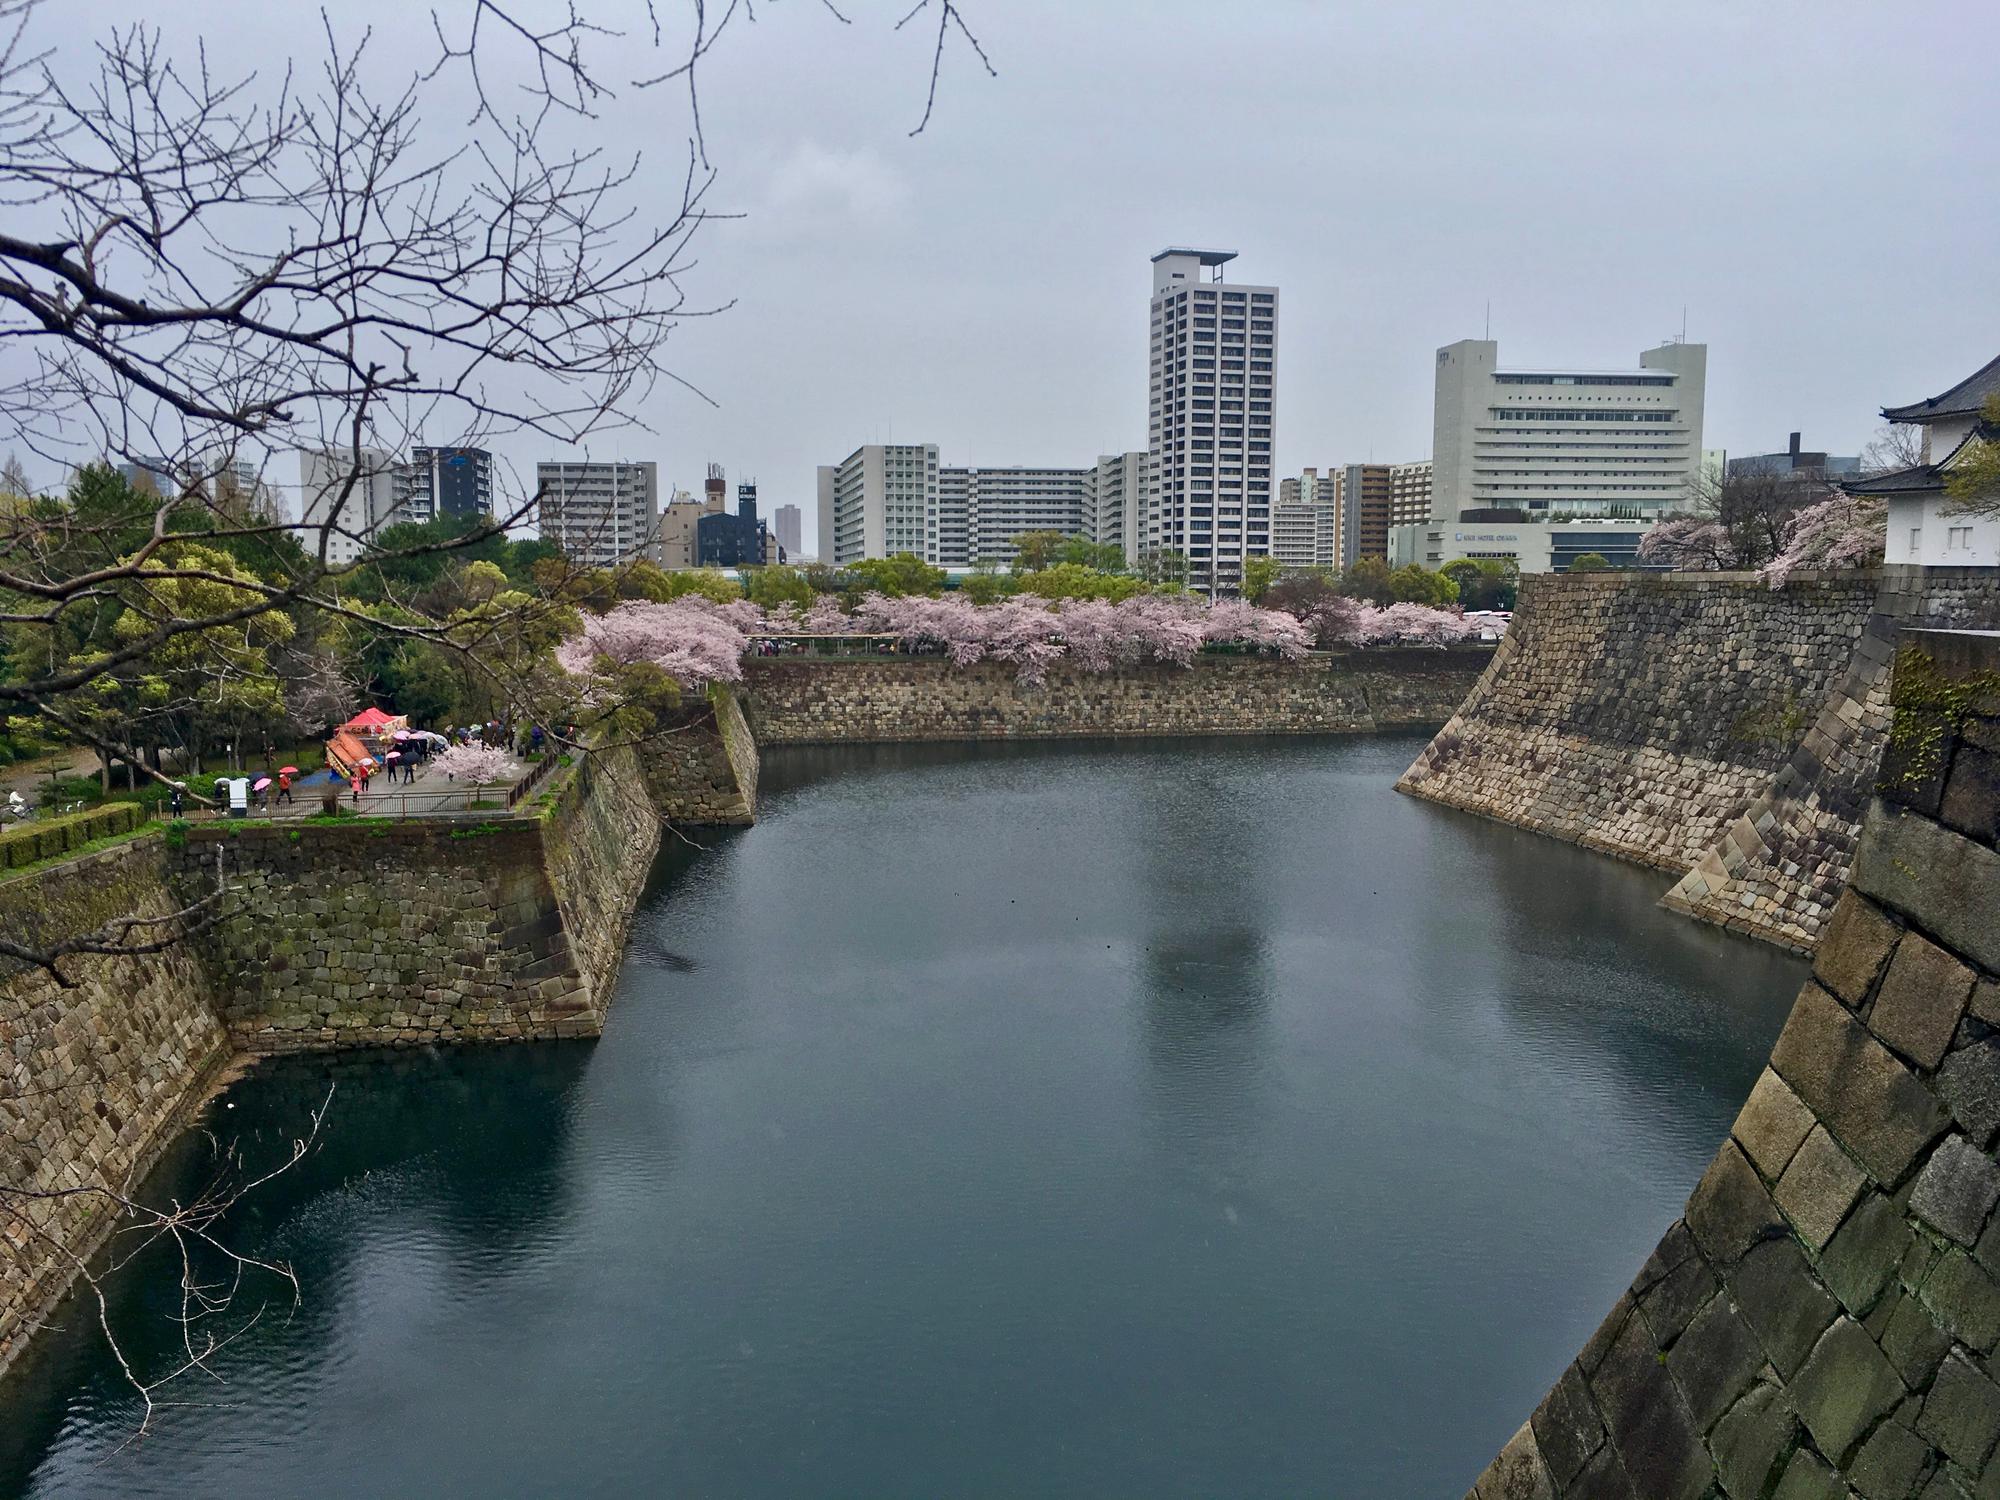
(1810, 180)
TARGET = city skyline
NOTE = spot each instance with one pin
(1440, 179)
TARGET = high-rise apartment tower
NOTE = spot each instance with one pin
(1211, 416)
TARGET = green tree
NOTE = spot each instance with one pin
(986, 583)
(1036, 550)
(1972, 483)
(1164, 567)
(898, 574)
(772, 586)
(1368, 580)
(1099, 557)
(1589, 562)
(1259, 573)
(1484, 583)
(1073, 581)
(1415, 584)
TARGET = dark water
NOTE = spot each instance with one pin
(1182, 1119)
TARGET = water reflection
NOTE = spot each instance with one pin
(1075, 1119)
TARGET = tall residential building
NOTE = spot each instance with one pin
(881, 498)
(1409, 493)
(1117, 495)
(785, 526)
(345, 496)
(1212, 401)
(1552, 443)
(1365, 493)
(1305, 521)
(446, 482)
(599, 514)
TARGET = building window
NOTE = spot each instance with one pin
(1958, 539)
(1916, 539)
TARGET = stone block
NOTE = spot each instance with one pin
(1856, 944)
(1986, 1001)
(1956, 1190)
(1923, 995)
(1961, 1416)
(1912, 1339)
(1969, 1084)
(1877, 1108)
(1714, 1361)
(1517, 1474)
(1846, 1386)
(1603, 1478)
(1649, 1422)
(1784, 1305)
(1672, 1286)
(1964, 1299)
(1818, 1188)
(1750, 1442)
(1889, 1464)
(1807, 1477)
(1773, 1122)
(1729, 1210)
(1972, 794)
(1566, 1426)
(1944, 881)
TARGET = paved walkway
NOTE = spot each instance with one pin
(432, 793)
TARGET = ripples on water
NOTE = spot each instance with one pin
(1192, 1118)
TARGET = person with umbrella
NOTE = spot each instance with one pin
(285, 775)
(263, 791)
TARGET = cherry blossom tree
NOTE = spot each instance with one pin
(1692, 544)
(1843, 531)
(689, 639)
(1411, 625)
(477, 765)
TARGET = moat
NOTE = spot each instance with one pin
(1166, 1118)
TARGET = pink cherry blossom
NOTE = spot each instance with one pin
(481, 765)
(1842, 531)
(691, 640)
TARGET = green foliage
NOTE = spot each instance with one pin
(1780, 723)
(1930, 713)
(1589, 562)
(1973, 480)
(1486, 582)
(1368, 581)
(897, 575)
(773, 586)
(985, 584)
(1413, 584)
(1259, 573)
(1073, 581)
(1164, 568)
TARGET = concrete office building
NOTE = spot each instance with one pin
(599, 514)
(1365, 494)
(1553, 443)
(451, 483)
(674, 545)
(785, 523)
(1534, 546)
(1211, 416)
(1795, 460)
(338, 515)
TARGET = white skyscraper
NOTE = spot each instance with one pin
(785, 527)
(881, 499)
(340, 513)
(1555, 443)
(600, 514)
(1212, 403)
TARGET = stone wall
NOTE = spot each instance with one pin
(817, 700)
(703, 769)
(1824, 1318)
(95, 1077)
(364, 933)
(1700, 723)
(379, 933)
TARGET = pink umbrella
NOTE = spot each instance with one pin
(260, 783)
(393, 755)
(401, 734)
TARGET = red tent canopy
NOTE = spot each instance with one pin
(369, 718)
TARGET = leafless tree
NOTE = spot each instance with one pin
(202, 275)
(1897, 445)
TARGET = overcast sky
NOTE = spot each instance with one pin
(1809, 181)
